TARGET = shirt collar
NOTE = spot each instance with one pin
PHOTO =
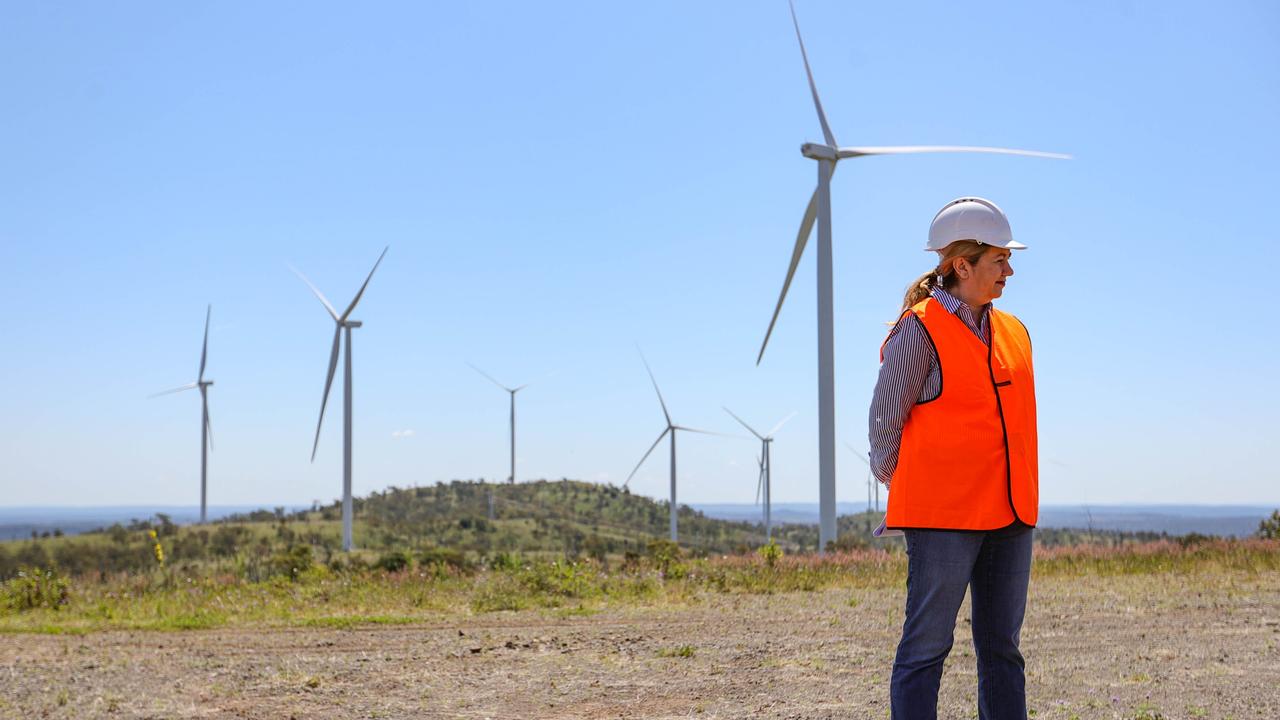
(953, 303)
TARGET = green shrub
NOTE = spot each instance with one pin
(292, 562)
(1269, 528)
(505, 562)
(663, 553)
(445, 557)
(349, 564)
(34, 588)
(560, 578)
(227, 539)
(392, 562)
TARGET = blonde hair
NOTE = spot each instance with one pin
(945, 272)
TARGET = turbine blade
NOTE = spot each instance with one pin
(813, 88)
(188, 386)
(708, 432)
(208, 427)
(328, 382)
(861, 457)
(802, 238)
(742, 422)
(356, 299)
(661, 402)
(204, 350)
(490, 377)
(846, 152)
(646, 456)
(333, 313)
(778, 427)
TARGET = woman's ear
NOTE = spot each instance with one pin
(963, 268)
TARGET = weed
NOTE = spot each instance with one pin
(682, 651)
(771, 554)
(34, 588)
(1147, 711)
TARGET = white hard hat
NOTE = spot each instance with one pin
(971, 218)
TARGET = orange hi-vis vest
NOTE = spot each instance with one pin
(968, 458)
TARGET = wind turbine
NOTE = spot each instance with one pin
(206, 432)
(512, 391)
(870, 478)
(827, 154)
(766, 465)
(342, 327)
(671, 428)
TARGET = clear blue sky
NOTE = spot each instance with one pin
(559, 181)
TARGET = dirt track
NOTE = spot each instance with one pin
(1128, 647)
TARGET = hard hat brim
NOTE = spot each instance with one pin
(1011, 245)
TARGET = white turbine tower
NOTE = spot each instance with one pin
(766, 466)
(206, 432)
(671, 428)
(827, 154)
(512, 391)
(343, 325)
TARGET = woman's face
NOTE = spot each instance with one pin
(983, 281)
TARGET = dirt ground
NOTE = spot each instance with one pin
(1145, 647)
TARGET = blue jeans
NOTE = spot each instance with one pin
(996, 565)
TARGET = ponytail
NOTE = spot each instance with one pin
(945, 273)
(920, 289)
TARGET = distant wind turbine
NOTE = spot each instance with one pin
(206, 432)
(766, 466)
(871, 479)
(671, 428)
(512, 477)
(828, 154)
(343, 325)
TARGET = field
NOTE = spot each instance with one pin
(1157, 631)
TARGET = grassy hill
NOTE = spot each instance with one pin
(563, 517)
(460, 521)
(465, 520)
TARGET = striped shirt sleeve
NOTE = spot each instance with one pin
(909, 359)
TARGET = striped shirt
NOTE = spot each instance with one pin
(910, 375)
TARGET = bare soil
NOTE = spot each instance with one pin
(1144, 646)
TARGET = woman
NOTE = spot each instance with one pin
(953, 435)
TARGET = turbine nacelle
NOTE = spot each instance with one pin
(816, 151)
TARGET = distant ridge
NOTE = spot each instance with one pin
(17, 523)
(1224, 520)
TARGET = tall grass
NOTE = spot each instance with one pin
(425, 589)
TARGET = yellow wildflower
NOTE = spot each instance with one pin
(159, 551)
